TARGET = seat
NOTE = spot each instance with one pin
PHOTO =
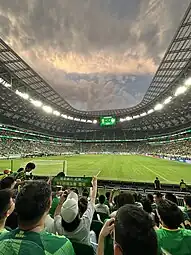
(96, 226)
(103, 216)
(84, 249)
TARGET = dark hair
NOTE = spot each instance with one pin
(101, 199)
(107, 194)
(170, 214)
(70, 227)
(7, 182)
(30, 166)
(20, 169)
(147, 205)
(158, 194)
(32, 202)
(5, 196)
(150, 198)
(75, 190)
(134, 231)
(125, 198)
(187, 200)
(82, 205)
(171, 197)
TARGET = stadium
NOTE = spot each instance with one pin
(95, 127)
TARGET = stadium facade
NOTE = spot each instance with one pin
(28, 101)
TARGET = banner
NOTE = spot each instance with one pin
(70, 181)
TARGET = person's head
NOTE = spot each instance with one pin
(7, 204)
(157, 178)
(147, 205)
(107, 194)
(187, 201)
(158, 197)
(70, 213)
(33, 203)
(82, 204)
(29, 167)
(182, 180)
(125, 198)
(150, 198)
(7, 183)
(171, 197)
(134, 233)
(85, 193)
(169, 214)
(101, 199)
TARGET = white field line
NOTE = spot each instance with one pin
(156, 173)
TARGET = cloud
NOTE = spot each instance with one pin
(84, 47)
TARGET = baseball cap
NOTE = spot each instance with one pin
(69, 209)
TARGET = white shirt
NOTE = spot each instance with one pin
(102, 208)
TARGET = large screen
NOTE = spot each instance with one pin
(107, 121)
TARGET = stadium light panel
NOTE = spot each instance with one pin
(83, 120)
(64, 116)
(168, 100)
(76, 119)
(89, 121)
(150, 111)
(36, 103)
(47, 108)
(158, 107)
(188, 82)
(136, 116)
(70, 118)
(23, 95)
(56, 113)
(180, 90)
(94, 121)
(143, 114)
(128, 118)
(121, 120)
(7, 85)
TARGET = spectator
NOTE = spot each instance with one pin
(83, 205)
(137, 198)
(123, 199)
(101, 207)
(7, 206)
(7, 183)
(134, 233)
(183, 187)
(157, 183)
(158, 197)
(171, 238)
(171, 197)
(32, 205)
(187, 202)
(108, 198)
(23, 173)
(67, 217)
(147, 207)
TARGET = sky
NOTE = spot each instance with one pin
(98, 54)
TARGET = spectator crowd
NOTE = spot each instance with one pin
(36, 218)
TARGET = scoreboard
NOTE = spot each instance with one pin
(108, 121)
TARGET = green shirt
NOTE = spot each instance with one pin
(18, 242)
(3, 231)
(55, 203)
(175, 242)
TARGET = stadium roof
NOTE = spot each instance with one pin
(173, 68)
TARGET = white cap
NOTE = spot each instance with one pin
(70, 209)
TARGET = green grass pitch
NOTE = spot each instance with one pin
(111, 167)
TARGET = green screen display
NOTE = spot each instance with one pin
(107, 121)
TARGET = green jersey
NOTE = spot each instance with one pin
(18, 242)
(55, 203)
(175, 242)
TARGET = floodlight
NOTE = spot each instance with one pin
(89, 121)
(180, 90)
(128, 118)
(64, 116)
(7, 85)
(25, 96)
(136, 116)
(70, 118)
(47, 108)
(56, 113)
(83, 120)
(36, 103)
(167, 101)
(94, 121)
(76, 119)
(150, 111)
(158, 107)
(143, 114)
(121, 120)
(188, 82)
